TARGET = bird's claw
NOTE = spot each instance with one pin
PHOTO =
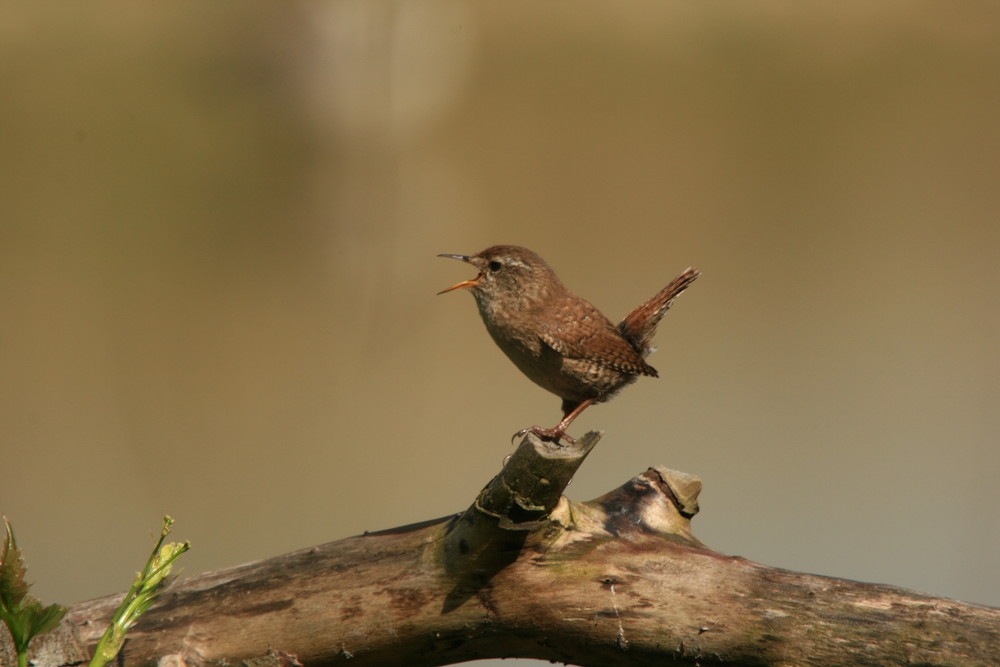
(551, 434)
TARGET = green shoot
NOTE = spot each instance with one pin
(145, 589)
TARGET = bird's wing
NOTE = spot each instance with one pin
(584, 333)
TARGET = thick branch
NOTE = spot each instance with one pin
(526, 573)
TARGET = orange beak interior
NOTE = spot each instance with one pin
(464, 283)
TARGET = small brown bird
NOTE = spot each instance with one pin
(560, 341)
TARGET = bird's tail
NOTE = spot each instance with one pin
(639, 326)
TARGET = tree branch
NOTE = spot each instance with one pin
(619, 580)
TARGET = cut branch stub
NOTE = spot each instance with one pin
(532, 481)
(683, 487)
(489, 535)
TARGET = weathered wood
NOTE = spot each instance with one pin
(619, 580)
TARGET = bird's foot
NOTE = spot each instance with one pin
(551, 434)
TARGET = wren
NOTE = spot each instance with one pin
(560, 341)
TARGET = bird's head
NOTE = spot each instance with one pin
(507, 273)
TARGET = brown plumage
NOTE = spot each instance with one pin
(560, 341)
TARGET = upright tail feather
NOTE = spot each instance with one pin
(639, 326)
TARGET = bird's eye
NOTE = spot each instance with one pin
(495, 265)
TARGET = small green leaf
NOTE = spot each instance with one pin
(23, 615)
(47, 619)
(12, 585)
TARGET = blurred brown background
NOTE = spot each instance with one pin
(217, 270)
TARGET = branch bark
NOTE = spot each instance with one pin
(619, 580)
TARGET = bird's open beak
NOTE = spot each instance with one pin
(464, 283)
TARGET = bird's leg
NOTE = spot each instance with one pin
(570, 412)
